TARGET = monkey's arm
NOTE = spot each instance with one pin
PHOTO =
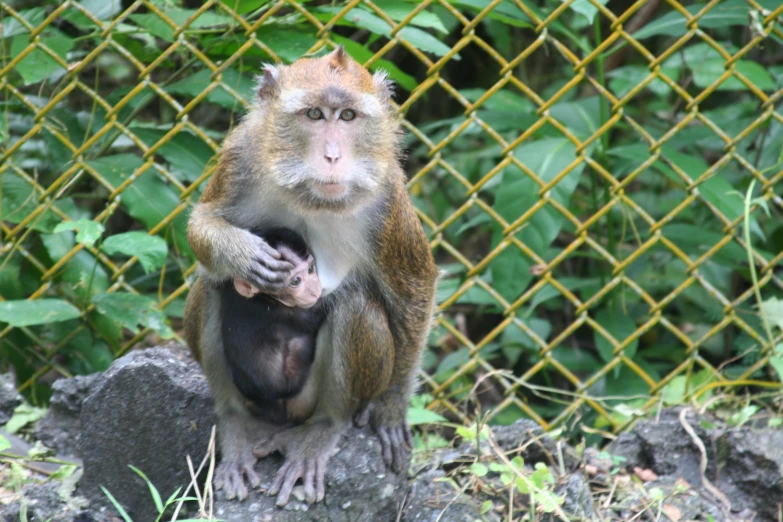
(226, 250)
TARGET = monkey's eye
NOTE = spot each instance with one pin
(311, 269)
(347, 115)
(315, 113)
(296, 281)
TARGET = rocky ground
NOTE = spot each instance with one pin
(152, 408)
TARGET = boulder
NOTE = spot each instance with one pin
(149, 409)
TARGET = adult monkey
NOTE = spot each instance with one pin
(319, 154)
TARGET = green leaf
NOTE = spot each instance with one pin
(398, 10)
(360, 18)
(423, 416)
(131, 310)
(486, 506)
(194, 85)
(160, 28)
(243, 6)
(38, 65)
(586, 8)
(24, 414)
(725, 14)
(706, 72)
(136, 197)
(117, 505)
(89, 230)
(620, 326)
(187, 154)
(361, 54)
(151, 250)
(479, 469)
(63, 472)
(102, 9)
(4, 443)
(772, 309)
(517, 193)
(505, 12)
(153, 490)
(24, 312)
(34, 16)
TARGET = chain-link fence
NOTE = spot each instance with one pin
(580, 167)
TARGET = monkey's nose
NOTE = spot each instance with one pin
(332, 153)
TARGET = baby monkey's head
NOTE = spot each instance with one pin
(303, 287)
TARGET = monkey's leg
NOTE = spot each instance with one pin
(237, 430)
(388, 412)
(352, 365)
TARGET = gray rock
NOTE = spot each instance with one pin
(9, 397)
(665, 447)
(752, 461)
(578, 497)
(61, 426)
(430, 501)
(150, 410)
(358, 488)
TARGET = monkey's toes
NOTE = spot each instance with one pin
(395, 443)
(311, 471)
(230, 477)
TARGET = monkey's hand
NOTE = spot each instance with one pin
(307, 449)
(388, 417)
(264, 268)
(231, 474)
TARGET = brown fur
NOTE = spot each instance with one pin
(370, 352)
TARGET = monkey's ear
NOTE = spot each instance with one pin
(338, 59)
(269, 82)
(384, 87)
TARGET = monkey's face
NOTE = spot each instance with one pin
(304, 286)
(335, 133)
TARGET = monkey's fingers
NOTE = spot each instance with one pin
(273, 264)
(268, 282)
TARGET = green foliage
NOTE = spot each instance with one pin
(160, 505)
(604, 223)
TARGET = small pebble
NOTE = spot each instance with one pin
(346, 505)
(298, 493)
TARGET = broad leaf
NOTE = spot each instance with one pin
(423, 416)
(88, 230)
(24, 312)
(620, 326)
(586, 8)
(132, 311)
(151, 250)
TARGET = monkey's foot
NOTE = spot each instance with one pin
(231, 474)
(396, 442)
(387, 415)
(307, 449)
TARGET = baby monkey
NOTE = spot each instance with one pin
(269, 340)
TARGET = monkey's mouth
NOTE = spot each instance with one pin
(330, 190)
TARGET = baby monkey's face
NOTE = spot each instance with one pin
(303, 286)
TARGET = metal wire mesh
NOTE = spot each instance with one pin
(146, 144)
